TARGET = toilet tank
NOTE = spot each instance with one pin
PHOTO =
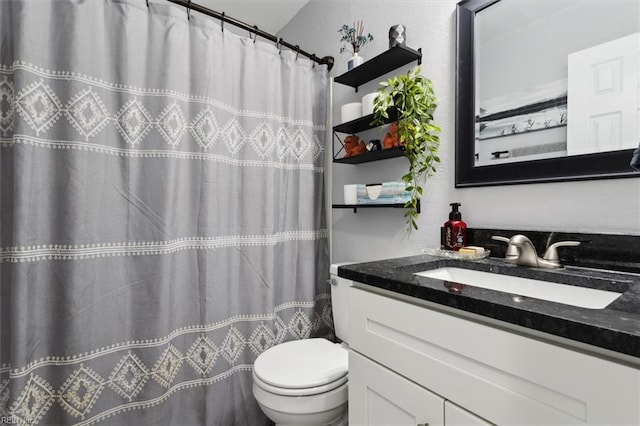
(340, 302)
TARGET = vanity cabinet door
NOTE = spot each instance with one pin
(380, 397)
(456, 416)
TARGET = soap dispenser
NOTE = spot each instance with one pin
(455, 230)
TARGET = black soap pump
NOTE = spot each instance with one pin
(455, 230)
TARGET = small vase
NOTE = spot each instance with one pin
(354, 61)
(397, 36)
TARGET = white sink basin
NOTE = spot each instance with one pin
(545, 290)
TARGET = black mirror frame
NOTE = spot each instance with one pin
(607, 165)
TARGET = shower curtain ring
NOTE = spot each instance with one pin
(188, 10)
(313, 57)
(255, 36)
(147, 4)
(297, 49)
(222, 22)
(279, 45)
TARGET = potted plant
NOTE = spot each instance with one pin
(412, 95)
(356, 39)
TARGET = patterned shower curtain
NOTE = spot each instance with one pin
(161, 216)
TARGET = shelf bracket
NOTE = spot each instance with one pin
(342, 148)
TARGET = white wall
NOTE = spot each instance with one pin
(598, 206)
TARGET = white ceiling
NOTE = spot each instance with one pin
(268, 15)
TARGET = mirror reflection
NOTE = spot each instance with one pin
(556, 79)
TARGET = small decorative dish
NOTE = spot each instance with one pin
(456, 254)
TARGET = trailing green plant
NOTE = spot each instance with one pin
(413, 96)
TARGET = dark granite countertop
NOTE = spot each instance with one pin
(615, 328)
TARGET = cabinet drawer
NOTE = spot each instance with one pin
(503, 377)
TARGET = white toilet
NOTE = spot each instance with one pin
(304, 382)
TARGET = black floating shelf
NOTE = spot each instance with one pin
(355, 207)
(383, 63)
(364, 123)
(383, 154)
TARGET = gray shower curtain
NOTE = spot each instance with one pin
(161, 216)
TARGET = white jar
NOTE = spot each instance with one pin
(367, 103)
(351, 111)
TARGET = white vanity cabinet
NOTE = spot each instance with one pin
(457, 416)
(413, 364)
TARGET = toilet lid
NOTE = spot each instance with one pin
(302, 364)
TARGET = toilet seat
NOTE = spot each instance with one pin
(300, 391)
(302, 367)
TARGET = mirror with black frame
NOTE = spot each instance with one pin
(546, 91)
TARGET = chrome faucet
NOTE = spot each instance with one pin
(521, 251)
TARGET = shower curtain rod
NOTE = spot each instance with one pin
(327, 60)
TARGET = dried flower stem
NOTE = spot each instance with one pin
(354, 36)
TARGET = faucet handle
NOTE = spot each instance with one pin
(552, 254)
(512, 254)
(499, 238)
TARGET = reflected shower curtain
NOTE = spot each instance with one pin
(161, 216)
